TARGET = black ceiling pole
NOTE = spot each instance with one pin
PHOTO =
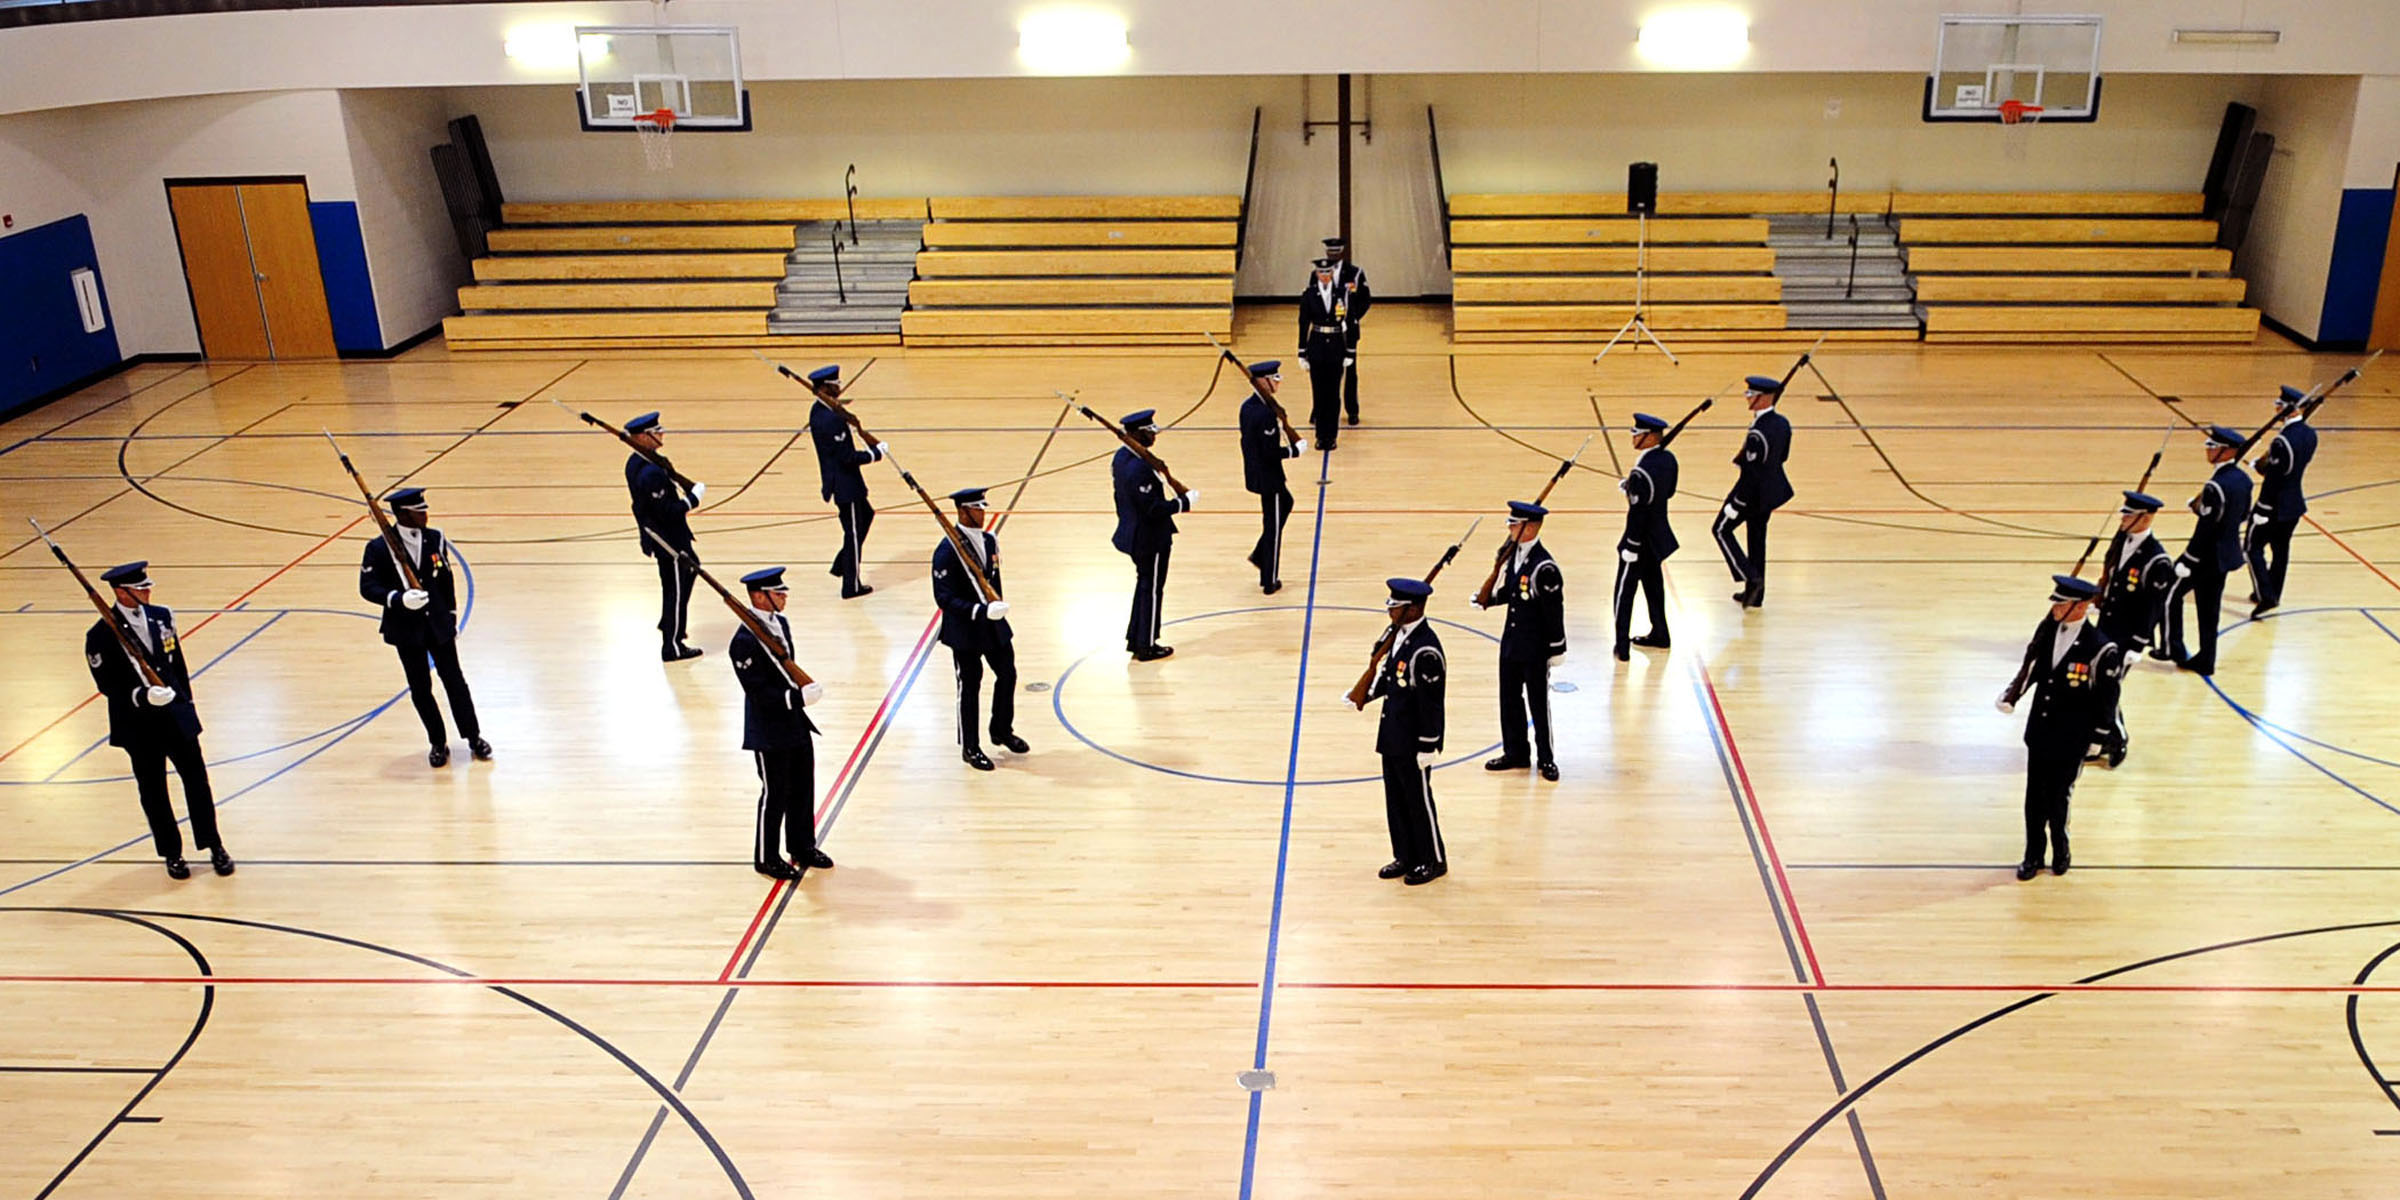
(1341, 125)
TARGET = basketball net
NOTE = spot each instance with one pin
(657, 130)
(2013, 112)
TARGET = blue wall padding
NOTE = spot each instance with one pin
(42, 343)
(342, 260)
(2359, 236)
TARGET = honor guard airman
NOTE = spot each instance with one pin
(422, 622)
(1649, 538)
(2072, 670)
(838, 463)
(2282, 500)
(1408, 736)
(1263, 455)
(1760, 489)
(777, 731)
(1326, 337)
(663, 510)
(976, 630)
(155, 724)
(2139, 577)
(1532, 641)
(1356, 299)
(2223, 508)
(1145, 533)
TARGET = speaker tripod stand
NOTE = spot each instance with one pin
(1636, 328)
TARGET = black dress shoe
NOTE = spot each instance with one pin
(2262, 608)
(1353, 418)
(863, 590)
(2254, 597)
(1426, 874)
(1327, 444)
(775, 870)
(1623, 654)
(819, 860)
(1392, 870)
(1652, 641)
(1271, 587)
(220, 862)
(2203, 667)
(481, 749)
(2028, 869)
(680, 653)
(1550, 772)
(176, 868)
(1505, 763)
(1152, 653)
(1015, 744)
(439, 756)
(976, 758)
(2058, 863)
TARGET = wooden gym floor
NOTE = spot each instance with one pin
(1762, 938)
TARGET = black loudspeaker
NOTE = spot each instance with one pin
(2241, 191)
(458, 195)
(1641, 188)
(467, 134)
(2233, 136)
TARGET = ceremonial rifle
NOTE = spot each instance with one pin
(2308, 406)
(958, 542)
(1291, 435)
(835, 401)
(2143, 486)
(1483, 595)
(1383, 644)
(1670, 435)
(1803, 361)
(391, 537)
(1140, 451)
(108, 612)
(656, 459)
(768, 639)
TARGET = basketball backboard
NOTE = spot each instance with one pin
(2051, 60)
(628, 71)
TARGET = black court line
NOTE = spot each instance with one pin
(1480, 422)
(178, 374)
(2080, 866)
(215, 441)
(2358, 1041)
(1901, 477)
(38, 1069)
(124, 1116)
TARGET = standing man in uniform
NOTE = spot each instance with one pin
(977, 631)
(663, 509)
(777, 731)
(1642, 552)
(2223, 506)
(1145, 533)
(1325, 336)
(1409, 735)
(838, 461)
(2072, 669)
(1532, 641)
(155, 725)
(422, 622)
(1757, 492)
(2282, 500)
(1352, 281)
(2133, 599)
(1263, 452)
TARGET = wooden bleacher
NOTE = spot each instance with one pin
(1561, 267)
(641, 274)
(1074, 270)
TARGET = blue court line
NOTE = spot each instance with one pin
(2387, 630)
(1283, 845)
(245, 640)
(2260, 724)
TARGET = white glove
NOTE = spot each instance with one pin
(1191, 499)
(2260, 518)
(880, 447)
(812, 692)
(1630, 555)
(1732, 513)
(1299, 447)
(2004, 704)
(414, 599)
(159, 695)
(1426, 760)
(1349, 361)
(699, 489)
(2093, 751)
(2183, 570)
(996, 610)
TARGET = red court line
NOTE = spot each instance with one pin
(2362, 559)
(1783, 882)
(840, 778)
(2169, 989)
(219, 611)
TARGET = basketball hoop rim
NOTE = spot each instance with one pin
(2013, 112)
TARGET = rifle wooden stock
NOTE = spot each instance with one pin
(834, 401)
(391, 537)
(108, 612)
(1483, 595)
(1140, 451)
(2308, 406)
(768, 639)
(958, 542)
(1291, 436)
(656, 459)
(1383, 643)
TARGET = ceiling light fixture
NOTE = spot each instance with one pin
(1695, 39)
(2228, 37)
(1072, 41)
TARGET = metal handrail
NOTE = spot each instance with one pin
(1241, 223)
(841, 293)
(1833, 194)
(1850, 285)
(1441, 189)
(850, 196)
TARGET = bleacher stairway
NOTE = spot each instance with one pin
(1825, 288)
(832, 286)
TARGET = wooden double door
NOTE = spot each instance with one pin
(250, 260)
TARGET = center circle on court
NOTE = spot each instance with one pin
(1271, 698)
